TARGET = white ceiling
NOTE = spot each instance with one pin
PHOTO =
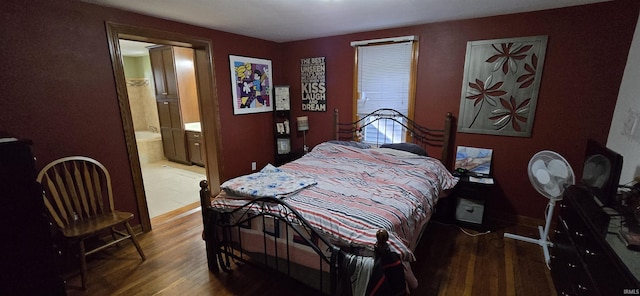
(134, 48)
(290, 20)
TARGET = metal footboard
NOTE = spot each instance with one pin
(220, 227)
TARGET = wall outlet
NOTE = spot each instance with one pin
(253, 166)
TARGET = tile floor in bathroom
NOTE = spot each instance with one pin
(169, 185)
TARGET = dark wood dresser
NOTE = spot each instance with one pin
(27, 255)
(588, 257)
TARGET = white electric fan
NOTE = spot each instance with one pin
(550, 174)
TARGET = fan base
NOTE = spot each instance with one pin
(543, 242)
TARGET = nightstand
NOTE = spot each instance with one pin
(470, 199)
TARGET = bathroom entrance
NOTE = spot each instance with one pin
(169, 185)
(203, 64)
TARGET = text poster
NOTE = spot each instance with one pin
(314, 92)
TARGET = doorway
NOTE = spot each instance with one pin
(206, 84)
(168, 185)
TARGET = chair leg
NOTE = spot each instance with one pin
(113, 235)
(83, 265)
(135, 240)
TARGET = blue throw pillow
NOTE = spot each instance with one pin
(409, 147)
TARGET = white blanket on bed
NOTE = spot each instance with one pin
(268, 182)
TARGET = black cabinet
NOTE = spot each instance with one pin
(584, 256)
(466, 205)
(282, 125)
(282, 136)
(27, 254)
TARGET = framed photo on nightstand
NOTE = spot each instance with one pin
(476, 161)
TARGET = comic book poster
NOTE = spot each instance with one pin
(251, 84)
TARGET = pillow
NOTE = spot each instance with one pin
(394, 152)
(409, 147)
(269, 168)
(351, 144)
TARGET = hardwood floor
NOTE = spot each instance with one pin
(453, 263)
(449, 263)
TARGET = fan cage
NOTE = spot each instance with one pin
(547, 156)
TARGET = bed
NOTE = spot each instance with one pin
(332, 218)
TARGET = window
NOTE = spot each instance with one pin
(386, 71)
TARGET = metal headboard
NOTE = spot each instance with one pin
(415, 133)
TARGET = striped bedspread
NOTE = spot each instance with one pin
(360, 191)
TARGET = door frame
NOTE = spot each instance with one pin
(207, 100)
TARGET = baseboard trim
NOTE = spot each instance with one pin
(137, 229)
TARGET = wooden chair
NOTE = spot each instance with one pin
(78, 195)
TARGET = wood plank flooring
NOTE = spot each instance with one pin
(449, 263)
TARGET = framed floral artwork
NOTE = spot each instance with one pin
(251, 84)
(500, 86)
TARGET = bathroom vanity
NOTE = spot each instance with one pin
(195, 144)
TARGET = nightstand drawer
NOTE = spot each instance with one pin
(469, 202)
(473, 191)
(468, 210)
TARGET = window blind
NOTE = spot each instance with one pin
(383, 77)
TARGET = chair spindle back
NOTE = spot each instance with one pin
(76, 188)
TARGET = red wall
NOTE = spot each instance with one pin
(585, 59)
(58, 86)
